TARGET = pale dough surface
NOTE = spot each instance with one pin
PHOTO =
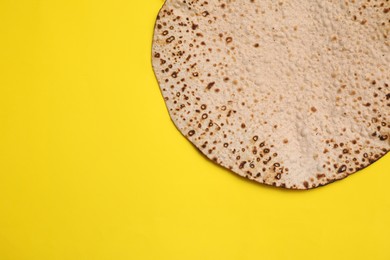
(293, 94)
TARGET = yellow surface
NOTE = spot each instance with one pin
(91, 166)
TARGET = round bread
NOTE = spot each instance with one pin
(293, 94)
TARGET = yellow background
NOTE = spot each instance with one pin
(91, 167)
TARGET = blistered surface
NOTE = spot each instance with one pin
(288, 93)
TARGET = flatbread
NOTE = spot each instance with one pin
(293, 94)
